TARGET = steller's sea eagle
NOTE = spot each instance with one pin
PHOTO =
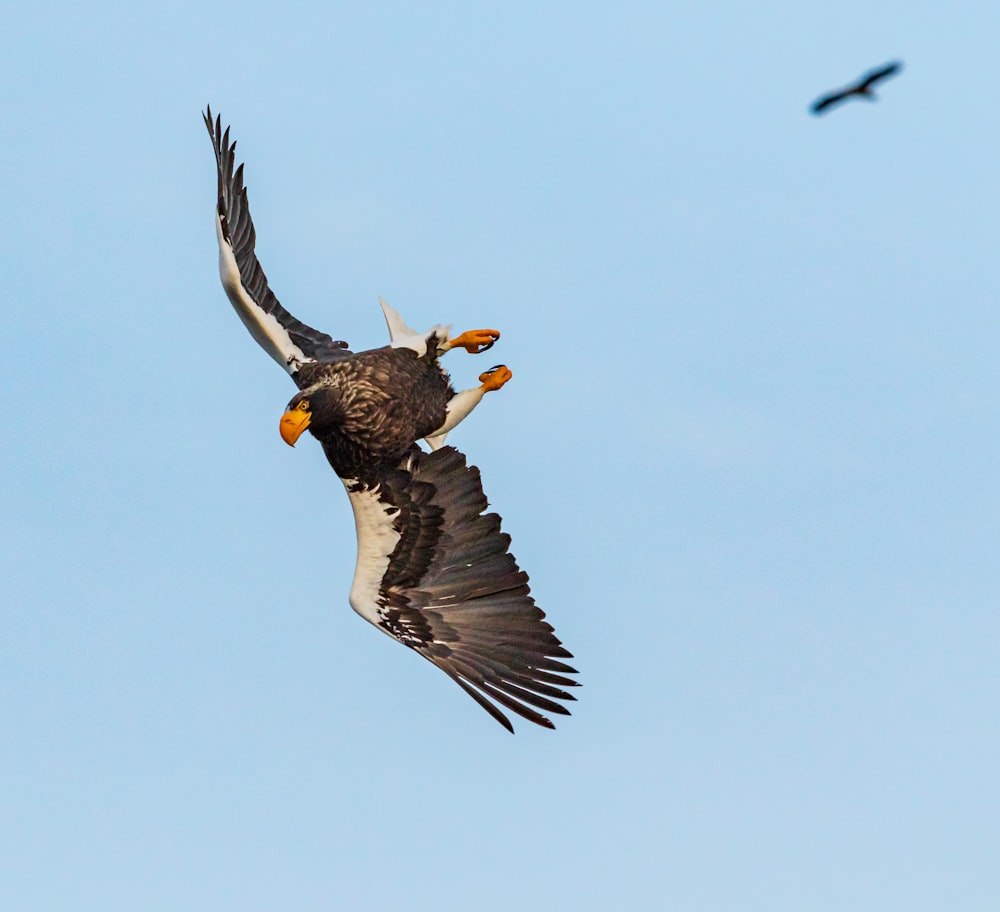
(433, 570)
(860, 89)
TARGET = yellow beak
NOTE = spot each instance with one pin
(293, 423)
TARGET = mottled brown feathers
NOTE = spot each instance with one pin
(369, 408)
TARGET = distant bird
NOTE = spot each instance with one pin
(433, 571)
(860, 89)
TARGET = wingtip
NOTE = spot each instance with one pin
(213, 124)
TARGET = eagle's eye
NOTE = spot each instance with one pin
(303, 405)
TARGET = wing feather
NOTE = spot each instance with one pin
(289, 341)
(829, 101)
(879, 73)
(435, 572)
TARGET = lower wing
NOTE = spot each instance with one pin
(435, 573)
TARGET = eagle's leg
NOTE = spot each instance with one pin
(461, 404)
(475, 341)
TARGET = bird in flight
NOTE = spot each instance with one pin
(433, 570)
(860, 89)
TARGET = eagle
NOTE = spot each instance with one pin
(434, 571)
(860, 89)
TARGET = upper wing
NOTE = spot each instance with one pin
(436, 574)
(883, 72)
(289, 341)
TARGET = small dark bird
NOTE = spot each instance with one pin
(434, 571)
(860, 89)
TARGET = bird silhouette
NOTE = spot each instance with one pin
(860, 89)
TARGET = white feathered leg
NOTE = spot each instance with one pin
(464, 402)
(458, 409)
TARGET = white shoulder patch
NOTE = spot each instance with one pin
(401, 336)
(264, 327)
(397, 325)
(377, 539)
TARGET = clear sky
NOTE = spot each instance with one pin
(749, 456)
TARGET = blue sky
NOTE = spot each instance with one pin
(748, 456)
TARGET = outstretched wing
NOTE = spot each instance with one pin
(877, 75)
(289, 341)
(435, 573)
(829, 101)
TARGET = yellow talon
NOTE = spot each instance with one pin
(475, 341)
(494, 378)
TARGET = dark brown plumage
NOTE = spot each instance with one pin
(454, 593)
(369, 409)
(434, 571)
(860, 89)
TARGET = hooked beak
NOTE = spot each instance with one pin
(293, 423)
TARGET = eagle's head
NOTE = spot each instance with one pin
(318, 408)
